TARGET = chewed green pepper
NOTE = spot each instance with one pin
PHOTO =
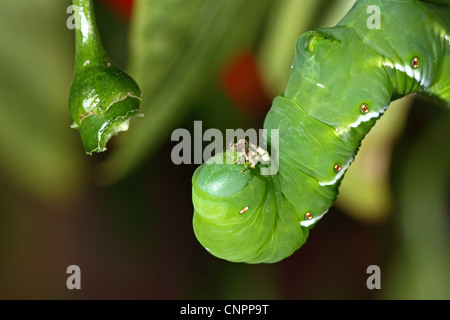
(102, 97)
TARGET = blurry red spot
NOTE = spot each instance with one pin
(122, 8)
(242, 82)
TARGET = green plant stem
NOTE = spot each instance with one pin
(89, 48)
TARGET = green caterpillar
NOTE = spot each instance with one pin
(342, 80)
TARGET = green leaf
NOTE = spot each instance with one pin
(420, 263)
(39, 154)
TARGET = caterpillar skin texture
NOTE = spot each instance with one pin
(342, 81)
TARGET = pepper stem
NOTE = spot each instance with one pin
(88, 45)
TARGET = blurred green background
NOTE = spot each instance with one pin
(124, 216)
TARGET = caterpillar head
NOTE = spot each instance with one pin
(237, 212)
